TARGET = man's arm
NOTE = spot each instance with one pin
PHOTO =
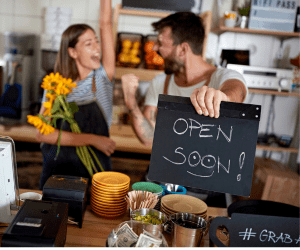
(143, 123)
(207, 100)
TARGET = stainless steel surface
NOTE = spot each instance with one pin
(19, 77)
(187, 229)
(265, 77)
(138, 227)
(160, 215)
(171, 187)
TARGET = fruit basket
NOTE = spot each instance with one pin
(129, 49)
(151, 58)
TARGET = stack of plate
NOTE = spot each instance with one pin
(180, 203)
(108, 193)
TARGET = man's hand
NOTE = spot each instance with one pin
(130, 83)
(207, 101)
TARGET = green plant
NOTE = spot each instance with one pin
(244, 11)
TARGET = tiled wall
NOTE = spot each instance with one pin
(28, 16)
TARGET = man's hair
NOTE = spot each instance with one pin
(65, 64)
(186, 27)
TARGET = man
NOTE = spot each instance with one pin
(179, 43)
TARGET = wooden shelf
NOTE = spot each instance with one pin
(143, 74)
(221, 29)
(273, 92)
(134, 12)
(277, 149)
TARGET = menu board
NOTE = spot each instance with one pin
(166, 5)
(197, 151)
(248, 230)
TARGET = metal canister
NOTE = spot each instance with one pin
(187, 229)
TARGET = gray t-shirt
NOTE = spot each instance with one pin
(218, 77)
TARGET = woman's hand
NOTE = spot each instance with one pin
(104, 144)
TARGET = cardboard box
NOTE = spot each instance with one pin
(276, 185)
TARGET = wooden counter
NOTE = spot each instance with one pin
(95, 229)
(123, 135)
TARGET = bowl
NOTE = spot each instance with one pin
(138, 227)
(160, 215)
(148, 186)
(29, 196)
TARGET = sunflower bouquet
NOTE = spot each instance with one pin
(57, 107)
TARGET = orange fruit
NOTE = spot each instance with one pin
(148, 46)
(134, 52)
(135, 60)
(159, 61)
(125, 50)
(136, 45)
(149, 57)
(156, 59)
(126, 43)
(124, 58)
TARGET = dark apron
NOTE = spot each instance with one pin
(90, 119)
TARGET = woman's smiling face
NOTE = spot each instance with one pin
(86, 52)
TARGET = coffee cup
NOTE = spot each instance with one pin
(230, 19)
(29, 196)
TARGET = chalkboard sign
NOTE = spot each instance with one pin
(166, 5)
(248, 230)
(202, 152)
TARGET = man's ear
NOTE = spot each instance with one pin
(184, 48)
(72, 52)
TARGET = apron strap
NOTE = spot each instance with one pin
(167, 81)
(168, 77)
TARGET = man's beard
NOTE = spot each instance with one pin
(172, 66)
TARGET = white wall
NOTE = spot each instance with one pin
(27, 16)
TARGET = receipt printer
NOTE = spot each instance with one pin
(38, 224)
(68, 189)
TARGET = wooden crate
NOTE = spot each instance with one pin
(280, 185)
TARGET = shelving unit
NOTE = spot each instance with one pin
(273, 92)
(148, 74)
(117, 131)
(221, 29)
(143, 74)
(283, 35)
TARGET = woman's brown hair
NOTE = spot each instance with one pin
(64, 64)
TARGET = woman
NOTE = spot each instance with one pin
(79, 59)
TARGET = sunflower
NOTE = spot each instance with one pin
(57, 107)
(50, 81)
(43, 127)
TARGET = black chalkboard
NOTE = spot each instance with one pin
(248, 230)
(165, 5)
(202, 152)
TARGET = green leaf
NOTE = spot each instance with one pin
(43, 118)
(54, 121)
(55, 106)
(73, 108)
(59, 137)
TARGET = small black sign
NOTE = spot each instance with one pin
(248, 230)
(203, 152)
(165, 5)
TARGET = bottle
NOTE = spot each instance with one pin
(297, 21)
